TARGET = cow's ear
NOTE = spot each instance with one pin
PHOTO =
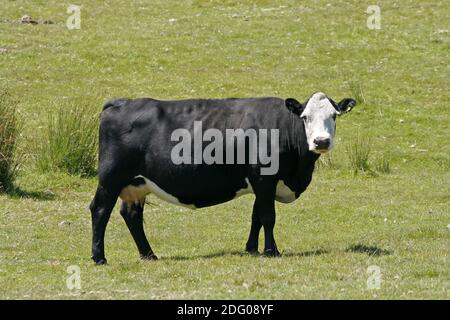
(294, 106)
(346, 105)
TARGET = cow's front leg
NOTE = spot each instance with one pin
(264, 214)
(252, 243)
(268, 222)
(133, 214)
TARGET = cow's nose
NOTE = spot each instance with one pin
(322, 143)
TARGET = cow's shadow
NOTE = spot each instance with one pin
(372, 251)
(311, 253)
(244, 254)
(208, 256)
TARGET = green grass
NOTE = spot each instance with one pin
(340, 226)
(383, 164)
(357, 92)
(9, 134)
(359, 152)
(70, 144)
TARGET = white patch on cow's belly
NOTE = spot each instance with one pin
(136, 194)
(284, 194)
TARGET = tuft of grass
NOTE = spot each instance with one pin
(71, 141)
(9, 134)
(359, 152)
(326, 161)
(383, 164)
(357, 91)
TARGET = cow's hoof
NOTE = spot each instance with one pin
(150, 256)
(100, 261)
(271, 253)
(252, 252)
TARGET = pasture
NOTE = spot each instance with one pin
(388, 210)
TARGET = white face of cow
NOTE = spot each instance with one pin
(319, 116)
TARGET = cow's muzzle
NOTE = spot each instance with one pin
(322, 145)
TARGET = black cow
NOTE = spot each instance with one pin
(144, 148)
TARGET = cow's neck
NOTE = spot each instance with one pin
(305, 160)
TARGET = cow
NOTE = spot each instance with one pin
(136, 158)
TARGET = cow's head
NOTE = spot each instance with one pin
(319, 116)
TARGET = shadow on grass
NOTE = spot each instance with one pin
(311, 253)
(208, 256)
(372, 251)
(244, 254)
(18, 193)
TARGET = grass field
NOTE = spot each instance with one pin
(344, 223)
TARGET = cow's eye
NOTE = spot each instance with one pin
(304, 118)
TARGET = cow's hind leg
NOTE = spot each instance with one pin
(101, 207)
(134, 218)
